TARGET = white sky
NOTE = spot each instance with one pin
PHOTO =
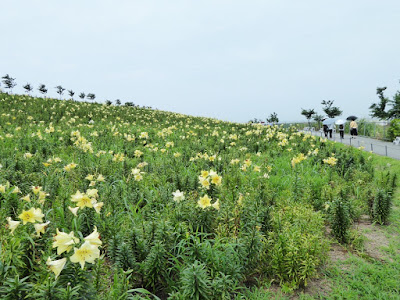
(232, 60)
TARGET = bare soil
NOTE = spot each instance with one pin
(337, 253)
(375, 238)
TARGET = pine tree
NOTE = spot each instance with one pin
(42, 89)
(9, 82)
(28, 88)
(330, 110)
(60, 90)
(308, 113)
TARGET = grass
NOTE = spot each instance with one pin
(360, 276)
(366, 278)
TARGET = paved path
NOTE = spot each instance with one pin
(369, 144)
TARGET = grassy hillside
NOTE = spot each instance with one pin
(123, 202)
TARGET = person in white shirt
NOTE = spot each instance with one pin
(330, 130)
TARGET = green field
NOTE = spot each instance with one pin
(118, 202)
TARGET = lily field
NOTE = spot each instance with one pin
(119, 202)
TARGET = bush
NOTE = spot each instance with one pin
(381, 207)
(394, 129)
(340, 220)
(297, 245)
(196, 283)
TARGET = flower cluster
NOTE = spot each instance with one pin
(209, 177)
(205, 202)
(298, 159)
(330, 161)
(70, 167)
(137, 174)
(93, 179)
(204, 156)
(87, 199)
(81, 142)
(119, 157)
(88, 252)
(247, 163)
(31, 213)
(50, 161)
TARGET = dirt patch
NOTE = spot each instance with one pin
(337, 253)
(375, 238)
(318, 287)
(315, 287)
(275, 289)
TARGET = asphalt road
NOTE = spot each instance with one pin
(376, 146)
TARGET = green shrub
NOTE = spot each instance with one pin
(223, 286)
(155, 265)
(195, 282)
(382, 206)
(296, 245)
(340, 220)
(394, 129)
(15, 288)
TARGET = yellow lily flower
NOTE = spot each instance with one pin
(64, 241)
(86, 253)
(94, 238)
(204, 202)
(31, 215)
(12, 225)
(40, 227)
(56, 266)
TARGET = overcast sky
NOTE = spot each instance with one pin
(232, 60)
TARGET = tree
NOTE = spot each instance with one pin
(331, 111)
(308, 113)
(378, 109)
(255, 120)
(273, 118)
(9, 82)
(60, 90)
(91, 96)
(394, 112)
(118, 102)
(28, 88)
(129, 104)
(42, 89)
(108, 102)
(318, 118)
(71, 93)
(82, 96)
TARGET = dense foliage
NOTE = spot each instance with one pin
(381, 111)
(394, 129)
(118, 202)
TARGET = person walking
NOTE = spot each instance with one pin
(330, 130)
(341, 131)
(353, 129)
(325, 130)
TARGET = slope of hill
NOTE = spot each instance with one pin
(105, 201)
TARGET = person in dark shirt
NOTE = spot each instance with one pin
(341, 131)
(325, 130)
